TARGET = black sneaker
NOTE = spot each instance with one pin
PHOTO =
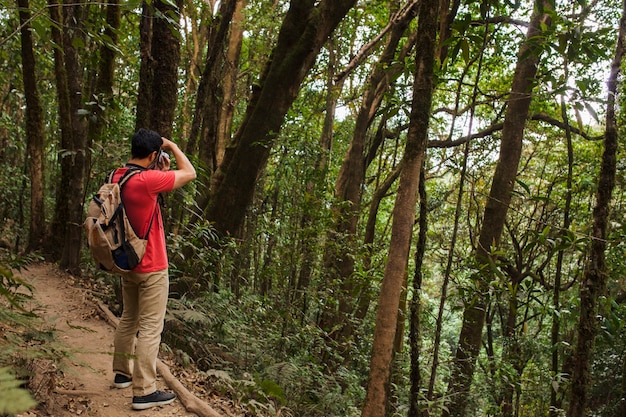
(122, 381)
(152, 400)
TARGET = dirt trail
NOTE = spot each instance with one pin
(85, 385)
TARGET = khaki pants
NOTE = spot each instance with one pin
(138, 335)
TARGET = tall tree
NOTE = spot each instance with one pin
(305, 29)
(103, 92)
(594, 280)
(497, 205)
(339, 256)
(160, 57)
(68, 32)
(415, 410)
(314, 187)
(233, 53)
(209, 104)
(403, 214)
(35, 132)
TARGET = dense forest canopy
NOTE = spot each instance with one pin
(403, 208)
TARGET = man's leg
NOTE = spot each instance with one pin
(126, 330)
(152, 296)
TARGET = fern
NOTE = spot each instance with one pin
(13, 399)
(9, 286)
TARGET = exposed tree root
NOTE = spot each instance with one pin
(191, 403)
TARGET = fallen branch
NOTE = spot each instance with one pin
(77, 392)
(191, 403)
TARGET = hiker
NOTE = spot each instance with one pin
(145, 288)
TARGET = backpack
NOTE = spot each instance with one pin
(114, 245)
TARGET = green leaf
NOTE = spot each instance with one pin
(78, 43)
(465, 50)
(13, 399)
(592, 112)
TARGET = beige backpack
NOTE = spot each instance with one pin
(113, 243)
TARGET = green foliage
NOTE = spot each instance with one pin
(244, 349)
(13, 399)
(194, 257)
(14, 294)
(609, 358)
(240, 310)
(14, 290)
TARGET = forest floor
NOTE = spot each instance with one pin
(82, 383)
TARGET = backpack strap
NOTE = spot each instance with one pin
(125, 177)
(132, 170)
(122, 181)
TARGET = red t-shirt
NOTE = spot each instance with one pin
(140, 195)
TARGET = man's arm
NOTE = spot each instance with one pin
(184, 172)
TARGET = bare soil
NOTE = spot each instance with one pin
(82, 383)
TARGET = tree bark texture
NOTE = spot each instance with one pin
(304, 31)
(166, 57)
(497, 206)
(67, 231)
(594, 280)
(103, 93)
(376, 399)
(77, 155)
(556, 394)
(415, 326)
(209, 104)
(146, 70)
(229, 89)
(61, 217)
(160, 57)
(35, 132)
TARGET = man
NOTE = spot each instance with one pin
(145, 289)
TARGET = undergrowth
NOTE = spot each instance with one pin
(19, 329)
(249, 347)
(245, 350)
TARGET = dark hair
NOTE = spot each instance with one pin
(145, 142)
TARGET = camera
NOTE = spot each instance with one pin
(164, 160)
(161, 162)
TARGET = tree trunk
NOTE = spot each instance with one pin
(166, 56)
(160, 56)
(415, 325)
(103, 93)
(35, 133)
(304, 31)
(195, 22)
(403, 214)
(230, 81)
(446, 19)
(497, 207)
(623, 397)
(207, 115)
(511, 352)
(67, 231)
(593, 284)
(339, 252)
(308, 222)
(61, 218)
(556, 394)
(77, 155)
(146, 70)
